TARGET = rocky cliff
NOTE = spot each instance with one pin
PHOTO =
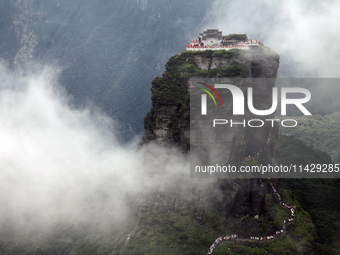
(169, 118)
(183, 215)
(231, 203)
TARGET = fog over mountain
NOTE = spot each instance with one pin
(61, 164)
(304, 33)
(75, 80)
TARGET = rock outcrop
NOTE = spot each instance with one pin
(168, 123)
(195, 211)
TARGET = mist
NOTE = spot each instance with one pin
(63, 164)
(304, 33)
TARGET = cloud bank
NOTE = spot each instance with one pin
(304, 33)
(61, 164)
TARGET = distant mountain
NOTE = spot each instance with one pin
(109, 50)
(319, 131)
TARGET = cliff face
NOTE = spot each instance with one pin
(223, 205)
(168, 123)
(169, 118)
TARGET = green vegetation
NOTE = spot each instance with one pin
(320, 197)
(294, 151)
(280, 214)
(184, 65)
(171, 89)
(67, 238)
(169, 233)
(224, 53)
(299, 238)
(162, 233)
(319, 131)
(239, 37)
(283, 245)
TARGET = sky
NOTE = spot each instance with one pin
(304, 33)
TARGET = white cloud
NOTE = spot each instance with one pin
(304, 33)
(60, 163)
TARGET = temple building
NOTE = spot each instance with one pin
(211, 37)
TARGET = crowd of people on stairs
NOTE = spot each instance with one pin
(277, 233)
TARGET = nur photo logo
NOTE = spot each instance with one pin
(204, 97)
(239, 99)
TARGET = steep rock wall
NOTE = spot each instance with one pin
(168, 121)
(233, 202)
